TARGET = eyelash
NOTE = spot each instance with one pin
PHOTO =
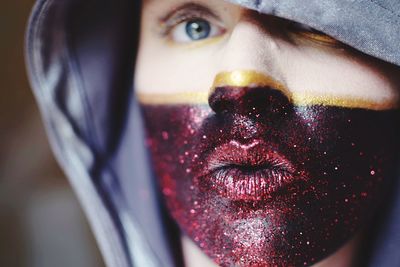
(171, 24)
(298, 29)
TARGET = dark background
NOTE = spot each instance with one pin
(41, 223)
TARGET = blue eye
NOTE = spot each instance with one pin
(195, 29)
(198, 29)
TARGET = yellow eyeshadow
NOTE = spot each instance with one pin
(320, 38)
(195, 44)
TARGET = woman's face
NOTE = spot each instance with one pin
(272, 143)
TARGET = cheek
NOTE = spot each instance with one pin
(345, 159)
(338, 72)
(175, 68)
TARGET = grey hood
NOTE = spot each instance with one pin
(80, 57)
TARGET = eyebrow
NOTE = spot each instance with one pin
(189, 6)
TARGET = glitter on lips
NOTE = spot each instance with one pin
(255, 180)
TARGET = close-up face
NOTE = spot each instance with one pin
(273, 144)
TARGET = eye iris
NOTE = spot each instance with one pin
(198, 29)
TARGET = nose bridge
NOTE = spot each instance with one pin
(251, 47)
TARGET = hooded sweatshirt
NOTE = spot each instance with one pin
(80, 57)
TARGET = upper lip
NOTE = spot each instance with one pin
(256, 154)
(250, 171)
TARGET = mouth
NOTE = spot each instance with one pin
(251, 172)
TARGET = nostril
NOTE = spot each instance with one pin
(250, 101)
(224, 99)
(220, 106)
(272, 102)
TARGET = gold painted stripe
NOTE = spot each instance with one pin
(296, 99)
(173, 99)
(253, 79)
(308, 99)
(247, 78)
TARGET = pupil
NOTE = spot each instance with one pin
(198, 29)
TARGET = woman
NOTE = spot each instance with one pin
(271, 125)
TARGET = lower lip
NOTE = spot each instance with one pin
(251, 184)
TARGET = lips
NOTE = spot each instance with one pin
(248, 172)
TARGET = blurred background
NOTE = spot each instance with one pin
(41, 223)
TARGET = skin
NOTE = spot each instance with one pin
(302, 62)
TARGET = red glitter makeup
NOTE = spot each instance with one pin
(254, 180)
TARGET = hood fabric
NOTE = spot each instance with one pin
(80, 56)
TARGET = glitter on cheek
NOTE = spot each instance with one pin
(255, 188)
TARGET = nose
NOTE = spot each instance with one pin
(253, 53)
(250, 94)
